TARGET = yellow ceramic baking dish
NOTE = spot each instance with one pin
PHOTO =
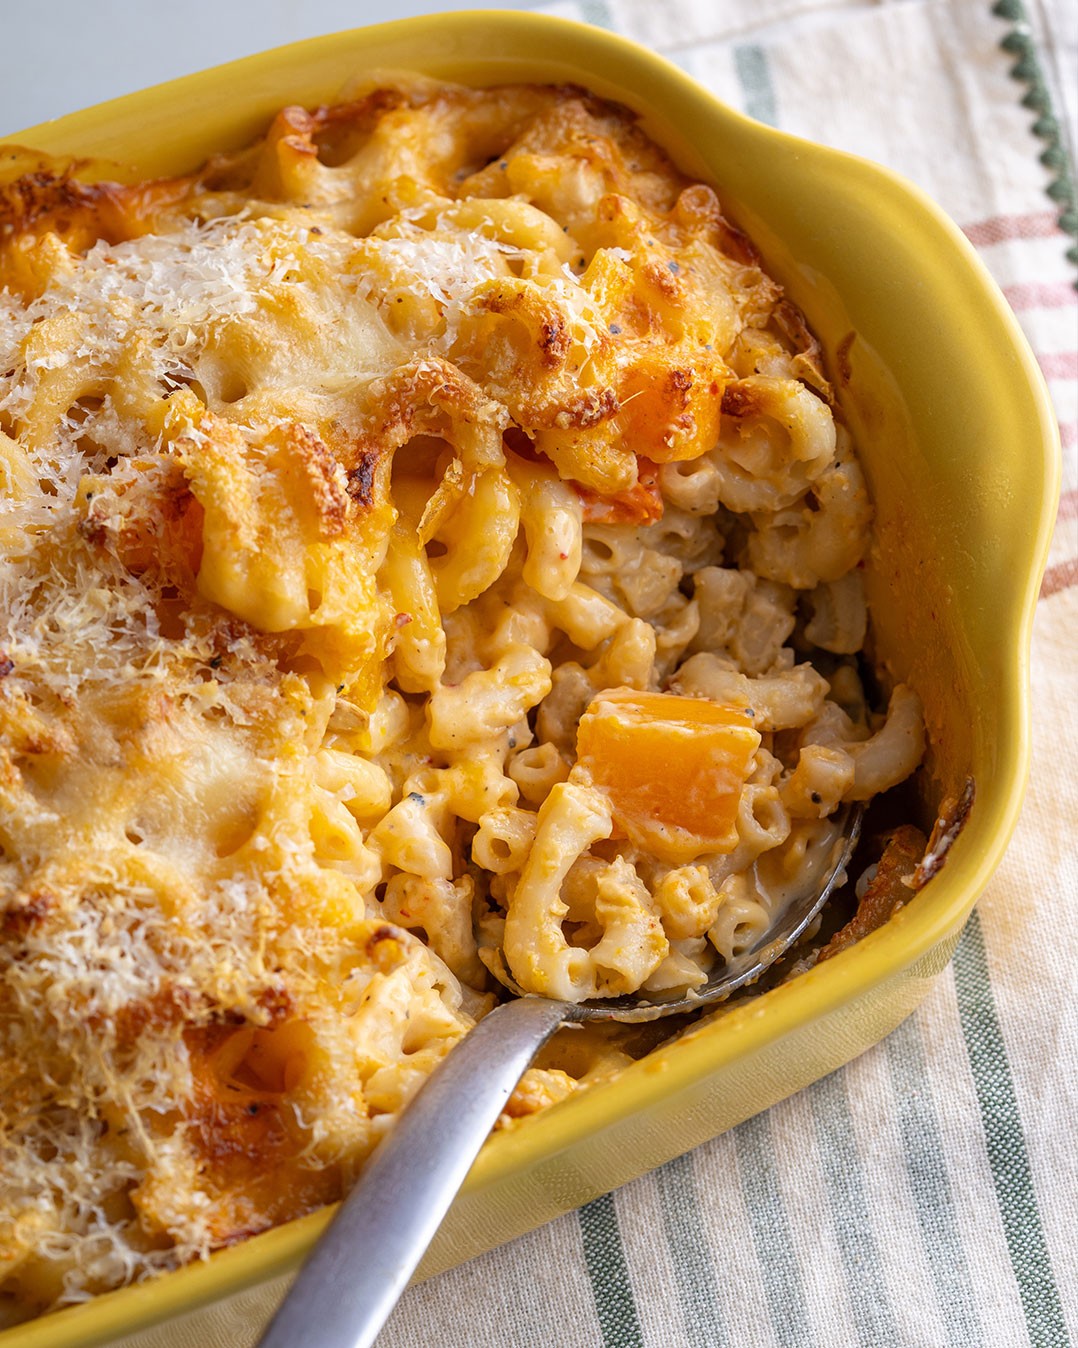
(961, 452)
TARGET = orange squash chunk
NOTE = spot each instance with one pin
(635, 505)
(672, 767)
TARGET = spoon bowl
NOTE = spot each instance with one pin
(727, 978)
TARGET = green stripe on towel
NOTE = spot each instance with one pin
(844, 1178)
(754, 75)
(694, 1272)
(922, 1146)
(596, 12)
(1005, 1142)
(609, 1274)
(766, 1211)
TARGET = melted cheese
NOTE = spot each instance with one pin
(295, 456)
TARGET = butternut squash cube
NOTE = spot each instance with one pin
(672, 767)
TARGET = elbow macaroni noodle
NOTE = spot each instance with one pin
(340, 480)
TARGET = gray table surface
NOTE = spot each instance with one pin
(67, 54)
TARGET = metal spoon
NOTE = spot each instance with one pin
(360, 1267)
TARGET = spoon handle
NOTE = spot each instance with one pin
(360, 1267)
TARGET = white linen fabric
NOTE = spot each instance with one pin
(923, 1195)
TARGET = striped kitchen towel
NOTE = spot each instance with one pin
(925, 1194)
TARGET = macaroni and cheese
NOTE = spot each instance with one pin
(427, 538)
